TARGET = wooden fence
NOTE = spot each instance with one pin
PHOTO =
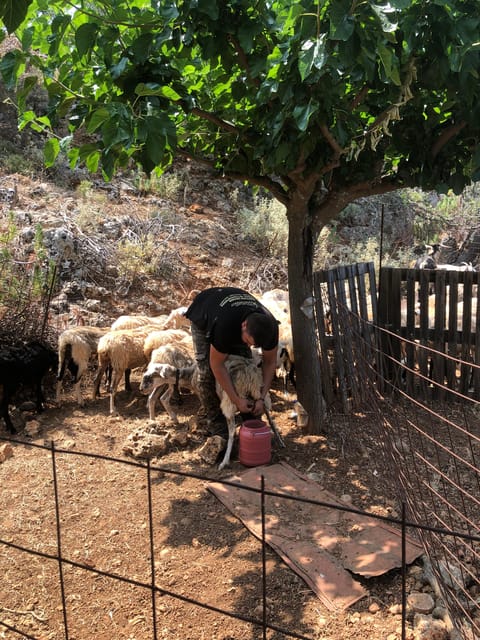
(419, 332)
(346, 313)
(435, 314)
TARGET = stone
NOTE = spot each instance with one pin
(427, 628)
(420, 602)
(6, 451)
(212, 449)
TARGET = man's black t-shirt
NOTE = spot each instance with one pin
(220, 311)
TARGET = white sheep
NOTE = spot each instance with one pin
(247, 379)
(121, 350)
(76, 346)
(160, 337)
(176, 319)
(246, 376)
(278, 303)
(172, 366)
(131, 322)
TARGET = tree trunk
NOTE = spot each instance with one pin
(300, 283)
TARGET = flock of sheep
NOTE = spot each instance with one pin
(161, 346)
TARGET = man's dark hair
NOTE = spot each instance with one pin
(261, 327)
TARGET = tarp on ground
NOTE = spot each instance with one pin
(323, 544)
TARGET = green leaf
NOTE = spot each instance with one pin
(28, 84)
(302, 115)
(117, 69)
(92, 161)
(51, 151)
(153, 89)
(155, 146)
(13, 13)
(389, 60)
(342, 23)
(97, 119)
(208, 7)
(312, 54)
(381, 13)
(10, 68)
(85, 37)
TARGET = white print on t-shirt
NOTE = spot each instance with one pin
(238, 299)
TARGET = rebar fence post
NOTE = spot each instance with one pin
(59, 541)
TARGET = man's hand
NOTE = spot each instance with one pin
(245, 405)
(258, 407)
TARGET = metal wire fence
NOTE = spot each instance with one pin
(432, 448)
(451, 539)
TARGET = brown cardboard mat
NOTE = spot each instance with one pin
(324, 545)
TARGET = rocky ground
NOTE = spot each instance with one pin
(202, 552)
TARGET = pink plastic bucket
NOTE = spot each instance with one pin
(255, 443)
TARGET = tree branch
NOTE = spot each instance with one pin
(359, 98)
(273, 186)
(221, 124)
(243, 59)
(446, 136)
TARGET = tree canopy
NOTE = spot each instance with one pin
(318, 101)
(348, 91)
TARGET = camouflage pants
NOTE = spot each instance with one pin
(205, 380)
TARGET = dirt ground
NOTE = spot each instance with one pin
(202, 552)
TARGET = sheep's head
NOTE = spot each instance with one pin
(157, 375)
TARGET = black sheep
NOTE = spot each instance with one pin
(23, 364)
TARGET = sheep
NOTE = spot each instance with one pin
(176, 319)
(122, 350)
(160, 337)
(131, 322)
(247, 379)
(463, 266)
(246, 376)
(25, 363)
(277, 302)
(172, 366)
(75, 348)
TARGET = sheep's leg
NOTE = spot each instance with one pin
(77, 387)
(98, 378)
(116, 377)
(152, 399)
(165, 400)
(128, 386)
(78, 393)
(231, 436)
(60, 374)
(40, 399)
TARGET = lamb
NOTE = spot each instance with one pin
(25, 363)
(172, 366)
(246, 377)
(463, 266)
(174, 320)
(75, 348)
